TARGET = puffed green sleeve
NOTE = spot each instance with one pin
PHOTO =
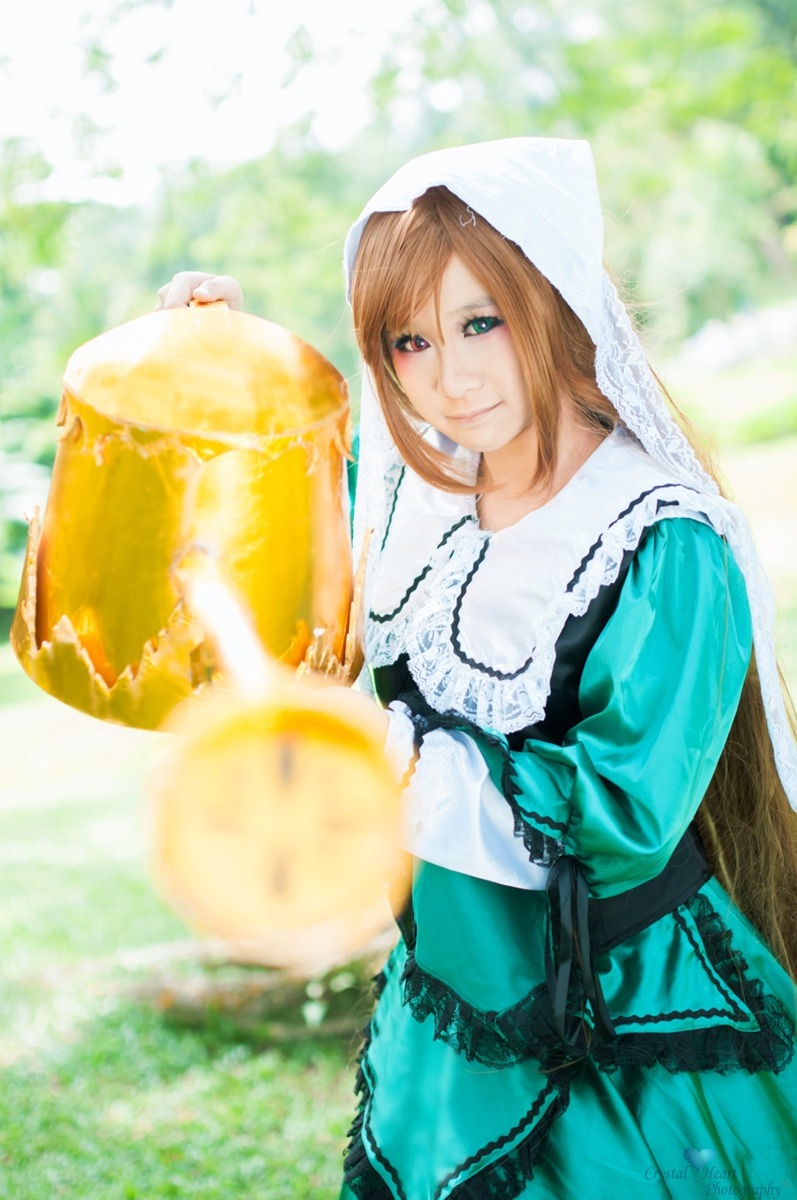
(657, 697)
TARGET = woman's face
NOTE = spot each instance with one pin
(463, 378)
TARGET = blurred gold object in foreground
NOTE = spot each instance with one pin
(188, 427)
(275, 816)
(275, 826)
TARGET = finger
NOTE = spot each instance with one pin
(220, 287)
(180, 288)
(162, 292)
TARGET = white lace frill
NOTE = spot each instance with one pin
(431, 614)
(507, 705)
(447, 607)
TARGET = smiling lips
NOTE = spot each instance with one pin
(466, 418)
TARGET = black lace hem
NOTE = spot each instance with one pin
(543, 849)
(504, 1179)
(360, 1176)
(358, 1173)
(720, 1047)
(485, 1037)
(527, 1029)
(496, 1039)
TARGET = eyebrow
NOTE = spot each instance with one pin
(479, 302)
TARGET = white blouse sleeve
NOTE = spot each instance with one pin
(454, 815)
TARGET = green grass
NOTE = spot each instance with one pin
(134, 1063)
(129, 1107)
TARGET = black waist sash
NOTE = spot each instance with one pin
(587, 926)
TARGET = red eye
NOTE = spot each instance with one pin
(410, 343)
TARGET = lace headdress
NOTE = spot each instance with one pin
(542, 194)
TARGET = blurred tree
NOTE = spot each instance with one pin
(31, 243)
(278, 225)
(30, 253)
(64, 275)
(691, 108)
(781, 20)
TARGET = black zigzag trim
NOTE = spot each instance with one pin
(721, 1047)
(527, 1029)
(382, 618)
(456, 643)
(507, 1178)
(360, 1176)
(733, 1010)
(732, 999)
(543, 849)
(503, 1179)
(380, 1157)
(393, 507)
(505, 676)
(626, 512)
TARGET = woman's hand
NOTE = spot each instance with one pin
(199, 285)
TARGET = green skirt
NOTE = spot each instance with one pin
(467, 1090)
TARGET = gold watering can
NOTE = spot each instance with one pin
(188, 427)
(202, 454)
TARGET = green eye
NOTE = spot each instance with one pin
(478, 325)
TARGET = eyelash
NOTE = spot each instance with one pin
(494, 322)
(401, 343)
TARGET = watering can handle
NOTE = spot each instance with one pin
(194, 303)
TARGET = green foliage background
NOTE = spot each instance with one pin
(691, 108)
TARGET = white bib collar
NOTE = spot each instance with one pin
(478, 614)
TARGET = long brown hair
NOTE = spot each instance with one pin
(745, 820)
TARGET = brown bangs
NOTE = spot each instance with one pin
(400, 264)
(414, 274)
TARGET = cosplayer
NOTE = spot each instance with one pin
(567, 625)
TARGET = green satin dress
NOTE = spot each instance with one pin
(467, 1088)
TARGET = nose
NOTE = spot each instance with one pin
(455, 377)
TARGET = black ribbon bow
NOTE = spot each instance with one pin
(569, 936)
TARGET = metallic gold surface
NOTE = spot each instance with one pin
(275, 826)
(188, 427)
